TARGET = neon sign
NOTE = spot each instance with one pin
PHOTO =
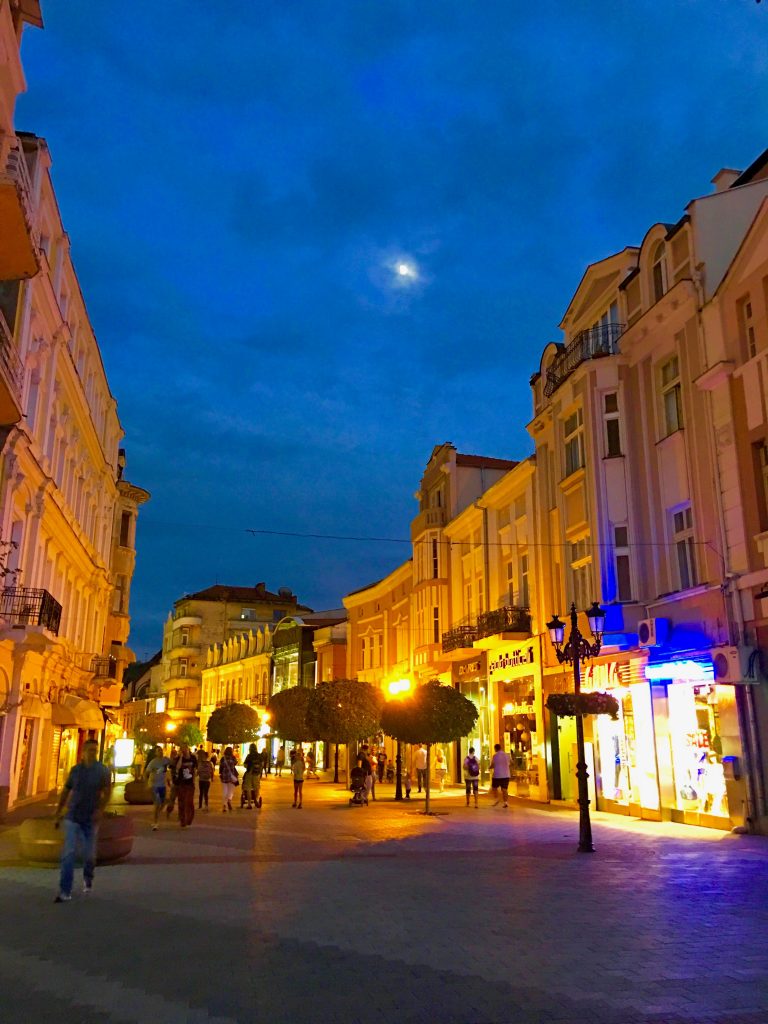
(686, 671)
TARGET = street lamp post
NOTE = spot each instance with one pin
(573, 652)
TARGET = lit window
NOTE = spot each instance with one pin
(761, 451)
(611, 421)
(573, 437)
(435, 625)
(671, 396)
(685, 547)
(524, 598)
(435, 560)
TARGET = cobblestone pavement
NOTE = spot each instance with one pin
(346, 914)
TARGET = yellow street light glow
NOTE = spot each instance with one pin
(170, 727)
(398, 687)
(266, 716)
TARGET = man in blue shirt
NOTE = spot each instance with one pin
(85, 795)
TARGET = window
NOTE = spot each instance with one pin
(581, 573)
(573, 437)
(658, 272)
(362, 652)
(685, 547)
(379, 649)
(435, 561)
(468, 603)
(185, 638)
(183, 666)
(611, 422)
(747, 329)
(120, 595)
(511, 590)
(761, 452)
(435, 625)
(524, 598)
(125, 530)
(671, 396)
(621, 563)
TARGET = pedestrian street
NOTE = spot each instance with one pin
(348, 914)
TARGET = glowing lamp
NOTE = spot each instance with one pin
(556, 630)
(124, 751)
(399, 687)
(170, 727)
(596, 616)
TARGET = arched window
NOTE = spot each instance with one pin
(658, 272)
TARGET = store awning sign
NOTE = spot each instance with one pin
(686, 670)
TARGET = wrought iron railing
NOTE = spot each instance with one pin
(461, 635)
(104, 667)
(27, 606)
(589, 344)
(508, 619)
(9, 358)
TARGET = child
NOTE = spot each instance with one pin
(406, 772)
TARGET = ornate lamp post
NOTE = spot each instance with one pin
(397, 689)
(573, 652)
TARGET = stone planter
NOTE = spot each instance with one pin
(41, 842)
(138, 792)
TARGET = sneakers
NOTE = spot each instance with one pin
(87, 888)
(63, 898)
(155, 827)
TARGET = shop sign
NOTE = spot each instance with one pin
(687, 670)
(511, 658)
(467, 671)
(471, 668)
(606, 676)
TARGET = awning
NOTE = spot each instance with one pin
(87, 712)
(63, 716)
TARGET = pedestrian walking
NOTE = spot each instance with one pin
(381, 764)
(184, 771)
(500, 774)
(441, 768)
(85, 795)
(297, 770)
(156, 774)
(204, 778)
(367, 766)
(471, 774)
(407, 781)
(253, 765)
(229, 779)
(312, 765)
(280, 762)
(420, 764)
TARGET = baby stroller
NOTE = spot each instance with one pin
(390, 773)
(357, 786)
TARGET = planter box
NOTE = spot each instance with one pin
(42, 843)
(138, 792)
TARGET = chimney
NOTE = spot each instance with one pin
(724, 178)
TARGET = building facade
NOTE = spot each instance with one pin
(67, 513)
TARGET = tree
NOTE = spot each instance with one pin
(233, 723)
(152, 729)
(289, 714)
(434, 714)
(188, 732)
(344, 710)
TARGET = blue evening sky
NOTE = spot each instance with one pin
(318, 237)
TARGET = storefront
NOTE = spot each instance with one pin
(514, 682)
(471, 679)
(698, 743)
(624, 750)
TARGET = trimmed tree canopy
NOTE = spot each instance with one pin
(434, 714)
(233, 723)
(153, 729)
(189, 733)
(289, 714)
(345, 710)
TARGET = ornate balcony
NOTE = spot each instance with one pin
(25, 606)
(590, 344)
(19, 256)
(104, 667)
(508, 619)
(11, 377)
(427, 519)
(460, 636)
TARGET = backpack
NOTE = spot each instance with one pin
(473, 768)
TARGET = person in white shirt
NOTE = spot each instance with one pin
(420, 764)
(500, 774)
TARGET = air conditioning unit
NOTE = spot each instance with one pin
(732, 664)
(652, 632)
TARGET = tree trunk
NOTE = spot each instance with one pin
(336, 765)
(426, 783)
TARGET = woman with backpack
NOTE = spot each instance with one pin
(471, 774)
(229, 779)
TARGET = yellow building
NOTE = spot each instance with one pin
(67, 516)
(237, 671)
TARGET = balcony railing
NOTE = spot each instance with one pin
(104, 667)
(589, 344)
(508, 619)
(9, 359)
(462, 635)
(25, 606)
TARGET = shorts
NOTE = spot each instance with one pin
(471, 785)
(158, 794)
(500, 784)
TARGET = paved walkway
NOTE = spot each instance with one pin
(350, 914)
